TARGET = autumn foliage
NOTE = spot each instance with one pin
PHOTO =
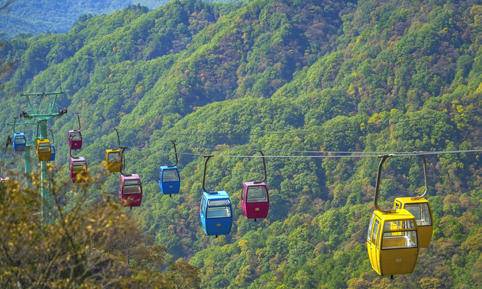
(88, 245)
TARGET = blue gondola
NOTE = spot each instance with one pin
(52, 152)
(216, 212)
(19, 141)
(52, 147)
(169, 179)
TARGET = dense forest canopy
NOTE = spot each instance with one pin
(280, 76)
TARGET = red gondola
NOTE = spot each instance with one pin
(130, 186)
(78, 169)
(255, 197)
(74, 137)
(130, 190)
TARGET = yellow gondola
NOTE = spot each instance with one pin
(392, 240)
(43, 148)
(419, 207)
(114, 158)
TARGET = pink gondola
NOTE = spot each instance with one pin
(74, 137)
(130, 190)
(78, 168)
(255, 197)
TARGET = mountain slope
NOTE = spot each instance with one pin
(282, 76)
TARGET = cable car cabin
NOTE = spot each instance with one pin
(113, 160)
(43, 148)
(130, 190)
(216, 213)
(255, 200)
(19, 142)
(169, 180)
(78, 169)
(75, 139)
(52, 152)
(420, 209)
(392, 242)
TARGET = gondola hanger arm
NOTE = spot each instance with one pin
(377, 186)
(206, 157)
(424, 166)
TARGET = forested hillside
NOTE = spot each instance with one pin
(284, 77)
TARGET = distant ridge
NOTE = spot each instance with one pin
(34, 17)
